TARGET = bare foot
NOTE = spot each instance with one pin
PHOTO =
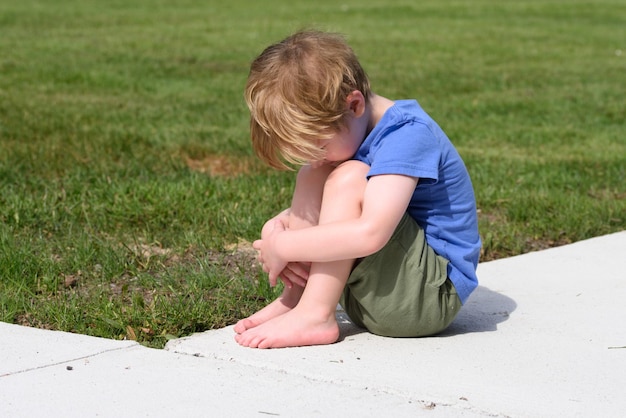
(286, 302)
(272, 310)
(294, 328)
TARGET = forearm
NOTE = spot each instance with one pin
(385, 202)
(331, 242)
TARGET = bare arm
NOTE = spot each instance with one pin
(385, 201)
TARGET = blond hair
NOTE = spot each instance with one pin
(296, 93)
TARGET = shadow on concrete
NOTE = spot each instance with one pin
(346, 327)
(482, 312)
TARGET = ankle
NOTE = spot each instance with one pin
(317, 313)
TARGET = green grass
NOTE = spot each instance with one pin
(126, 174)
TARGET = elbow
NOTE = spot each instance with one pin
(373, 239)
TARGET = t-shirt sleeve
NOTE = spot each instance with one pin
(412, 149)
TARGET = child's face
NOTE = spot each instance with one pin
(339, 148)
(344, 144)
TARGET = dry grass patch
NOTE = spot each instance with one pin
(222, 165)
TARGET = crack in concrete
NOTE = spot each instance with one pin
(58, 363)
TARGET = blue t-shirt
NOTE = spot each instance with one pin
(407, 141)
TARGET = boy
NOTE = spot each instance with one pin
(383, 215)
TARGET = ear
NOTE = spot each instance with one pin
(356, 103)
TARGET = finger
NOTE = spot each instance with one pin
(273, 278)
(257, 244)
(286, 281)
(299, 270)
(279, 225)
(293, 277)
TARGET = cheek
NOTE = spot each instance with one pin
(352, 147)
(338, 153)
(347, 150)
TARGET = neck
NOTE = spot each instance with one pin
(376, 108)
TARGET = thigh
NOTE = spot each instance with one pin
(402, 290)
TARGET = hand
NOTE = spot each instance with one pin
(272, 264)
(295, 274)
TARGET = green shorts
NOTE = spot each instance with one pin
(403, 290)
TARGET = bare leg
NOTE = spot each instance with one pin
(312, 321)
(304, 213)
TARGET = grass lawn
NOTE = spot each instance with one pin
(129, 192)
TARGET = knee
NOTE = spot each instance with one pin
(348, 176)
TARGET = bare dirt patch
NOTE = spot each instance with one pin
(221, 165)
(239, 257)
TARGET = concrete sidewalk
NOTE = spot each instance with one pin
(544, 335)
